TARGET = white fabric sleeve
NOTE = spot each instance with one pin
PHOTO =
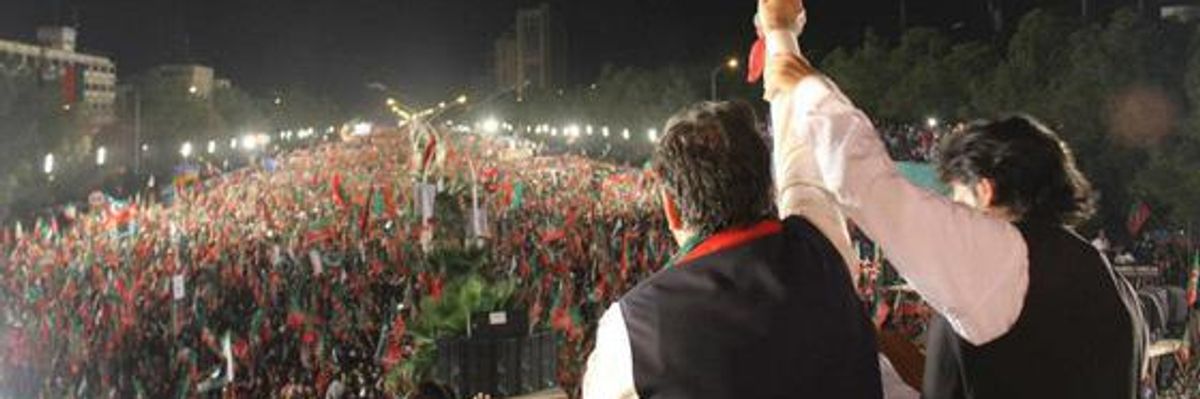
(609, 373)
(799, 190)
(972, 268)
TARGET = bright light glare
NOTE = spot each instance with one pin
(248, 142)
(932, 122)
(48, 166)
(212, 146)
(363, 129)
(625, 134)
(604, 131)
(101, 156)
(462, 99)
(233, 143)
(653, 133)
(490, 125)
(186, 150)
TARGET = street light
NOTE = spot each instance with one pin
(101, 154)
(490, 125)
(731, 64)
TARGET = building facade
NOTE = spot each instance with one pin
(88, 82)
(533, 55)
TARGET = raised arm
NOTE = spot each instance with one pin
(798, 187)
(970, 267)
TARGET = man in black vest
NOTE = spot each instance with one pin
(751, 306)
(1028, 308)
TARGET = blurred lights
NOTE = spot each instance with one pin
(653, 133)
(490, 125)
(48, 165)
(932, 122)
(363, 129)
(186, 150)
(212, 147)
(101, 156)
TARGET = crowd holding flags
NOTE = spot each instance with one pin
(286, 281)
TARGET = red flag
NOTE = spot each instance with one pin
(430, 150)
(365, 219)
(389, 201)
(758, 59)
(338, 197)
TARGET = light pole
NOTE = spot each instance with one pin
(731, 64)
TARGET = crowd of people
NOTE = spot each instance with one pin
(296, 279)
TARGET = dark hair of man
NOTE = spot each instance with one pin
(715, 164)
(1033, 171)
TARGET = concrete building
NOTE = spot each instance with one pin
(197, 80)
(88, 82)
(534, 54)
(506, 61)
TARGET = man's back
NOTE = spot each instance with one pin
(1074, 338)
(772, 317)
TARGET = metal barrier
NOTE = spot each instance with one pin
(498, 366)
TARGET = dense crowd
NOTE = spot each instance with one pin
(301, 278)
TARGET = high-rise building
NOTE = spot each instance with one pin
(534, 54)
(506, 64)
(88, 82)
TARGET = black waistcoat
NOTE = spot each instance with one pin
(776, 317)
(1077, 335)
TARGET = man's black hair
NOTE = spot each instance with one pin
(1033, 171)
(715, 164)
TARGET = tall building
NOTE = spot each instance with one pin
(197, 80)
(88, 82)
(534, 54)
(506, 61)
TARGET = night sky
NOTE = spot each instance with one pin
(428, 49)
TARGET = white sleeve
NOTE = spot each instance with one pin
(609, 373)
(799, 189)
(972, 268)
